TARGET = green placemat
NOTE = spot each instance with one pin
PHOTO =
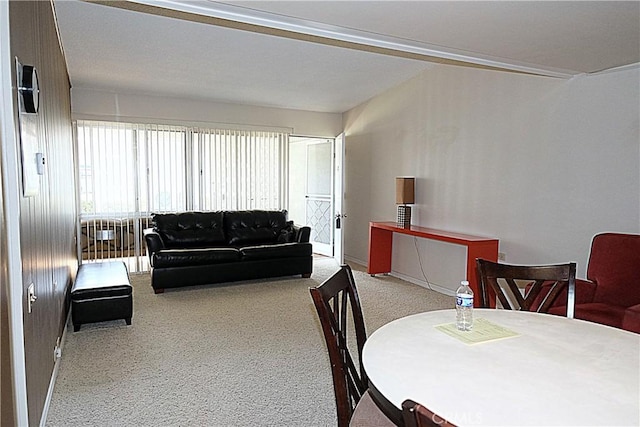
(483, 331)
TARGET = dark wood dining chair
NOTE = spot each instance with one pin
(417, 415)
(544, 284)
(338, 306)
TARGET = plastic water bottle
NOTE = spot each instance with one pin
(464, 307)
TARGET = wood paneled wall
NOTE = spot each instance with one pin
(47, 243)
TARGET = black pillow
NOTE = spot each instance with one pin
(287, 234)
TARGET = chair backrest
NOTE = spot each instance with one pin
(614, 264)
(502, 279)
(338, 306)
(417, 415)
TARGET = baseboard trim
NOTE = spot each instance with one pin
(54, 374)
(355, 260)
(423, 283)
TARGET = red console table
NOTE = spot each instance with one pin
(381, 243)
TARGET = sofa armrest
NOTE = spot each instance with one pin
(154, 241)
(585, 291)
(303, 233)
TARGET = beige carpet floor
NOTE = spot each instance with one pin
(242, 354)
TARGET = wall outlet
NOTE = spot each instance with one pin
(57, 351)
(31, 296)
(502, 256)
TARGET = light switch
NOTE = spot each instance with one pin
(40, 163)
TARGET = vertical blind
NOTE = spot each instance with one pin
(239, 169)
(128, 171)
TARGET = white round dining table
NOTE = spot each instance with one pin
(554, 371)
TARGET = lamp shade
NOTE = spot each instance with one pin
(405, 190)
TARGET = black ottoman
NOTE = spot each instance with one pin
(101, 292)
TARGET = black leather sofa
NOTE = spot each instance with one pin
(197, 248)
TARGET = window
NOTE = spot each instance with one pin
(239, 169)
(128, 171)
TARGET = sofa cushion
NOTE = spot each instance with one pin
(279, 250)
(605, 314)
(187, 257)
(631, 320)
(287, 234)
(190, 229)
(253, 227)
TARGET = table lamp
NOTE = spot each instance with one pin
(405, 194)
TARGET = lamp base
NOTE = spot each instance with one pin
(404, 216)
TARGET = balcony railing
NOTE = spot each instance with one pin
(104, 239)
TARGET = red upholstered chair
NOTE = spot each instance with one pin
(611, 293)
(631, 319)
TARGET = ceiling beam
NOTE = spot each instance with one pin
(240, 18)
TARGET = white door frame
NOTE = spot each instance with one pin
(335, 248)
(12, 190)
(339, 216)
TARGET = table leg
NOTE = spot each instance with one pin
(380, 245)
(484, 250)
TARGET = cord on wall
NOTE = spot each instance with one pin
(415, 243)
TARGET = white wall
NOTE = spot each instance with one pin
(101, 105)
(542, 164)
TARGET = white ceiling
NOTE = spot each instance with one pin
(114, 49)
